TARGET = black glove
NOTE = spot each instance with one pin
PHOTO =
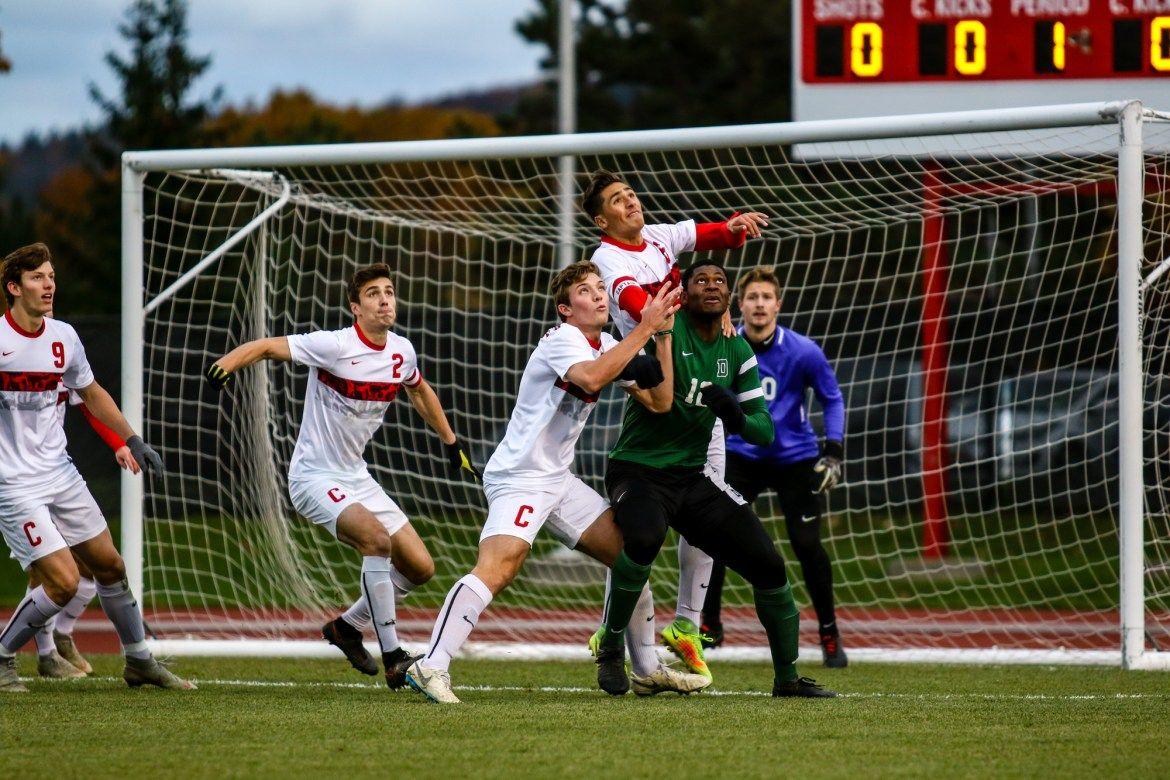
(826, 473)
(148, 460)
(722, 402)
(217, 377)
(458, 459)
(644, 370)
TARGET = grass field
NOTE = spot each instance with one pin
(309, 718)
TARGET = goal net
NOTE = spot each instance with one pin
(963, 284)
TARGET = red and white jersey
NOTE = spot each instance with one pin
(352, 385)
(550, 411)
(34, 369)
(646, 266)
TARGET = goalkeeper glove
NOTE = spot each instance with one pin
(148, 460)
(827, 471)
(217, 377)
(459, 460)
(722, 402)
(644, 370)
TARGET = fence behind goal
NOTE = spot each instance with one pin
(965, 279)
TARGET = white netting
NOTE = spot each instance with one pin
(1025, 227)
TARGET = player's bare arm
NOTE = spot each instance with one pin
(276, 348)
(659, 398)
(102, 407)
(593, 375)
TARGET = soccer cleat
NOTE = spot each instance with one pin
(148, 671)
(397, 661)
(683, 639)
(801, 687)
(611, 670)
(9, 681)
(53, 666)
(348, 640)
(711, 635)
(665, 679)
(832, 653)
(435, 684)
(68, 650)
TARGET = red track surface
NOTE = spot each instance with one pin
(898, 629)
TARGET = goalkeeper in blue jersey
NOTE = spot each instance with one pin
(794, 465)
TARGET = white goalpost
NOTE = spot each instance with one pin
(989, 285)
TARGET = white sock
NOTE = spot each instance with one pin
(640, 635)
(378, 592)
(44, 634)
(464, 604)
(694, 574)
(120, 607)
(32, 613)
(358, 614)
(67, 618)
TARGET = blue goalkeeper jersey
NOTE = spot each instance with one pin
(789, 364)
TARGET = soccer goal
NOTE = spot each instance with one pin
(989, 286)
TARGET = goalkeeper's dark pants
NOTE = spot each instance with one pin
(647, 501)
(802, 510)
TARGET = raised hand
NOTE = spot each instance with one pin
(658, 313)
(752, 221)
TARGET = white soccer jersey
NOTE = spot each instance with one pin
(34, 369)
(550, 411)
(348, 394)
(646, 266)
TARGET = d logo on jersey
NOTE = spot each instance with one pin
(721, 368)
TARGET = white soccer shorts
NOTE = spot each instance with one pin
(322, 498)
(568, 509)
(41, 520)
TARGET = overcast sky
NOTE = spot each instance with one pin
(344, 51)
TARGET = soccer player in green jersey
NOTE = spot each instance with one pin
(656, 480)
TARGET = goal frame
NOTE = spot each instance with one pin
(1127, 115)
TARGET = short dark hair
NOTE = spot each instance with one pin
(27, 258)
(591, 198)
(363, 276)
(562, 283)
(763, 273)
(690, 271)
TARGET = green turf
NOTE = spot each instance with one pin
(922, 721)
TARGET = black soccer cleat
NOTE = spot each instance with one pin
(832, 653)
(802, 688)
(397, 661)
(711, 635)
(611, 670)
(348, 640)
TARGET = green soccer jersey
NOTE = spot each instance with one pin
(679, 438)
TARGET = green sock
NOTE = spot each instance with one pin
(625, 587)
(781, 619)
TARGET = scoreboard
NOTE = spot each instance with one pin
(875, 57)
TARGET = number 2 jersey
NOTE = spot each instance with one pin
(348, 393)
(550, 412)
(34, 367)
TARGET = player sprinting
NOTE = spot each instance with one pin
(635, 259)
(794, 465)
(357, 373)
(656, 480)
(46, 511)
(57, 654)
(528, 481)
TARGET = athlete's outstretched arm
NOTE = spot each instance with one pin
(219, 373)
(426, 402)
(659, 399)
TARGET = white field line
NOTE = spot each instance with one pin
(579, 690)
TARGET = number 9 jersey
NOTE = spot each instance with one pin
(32, 366)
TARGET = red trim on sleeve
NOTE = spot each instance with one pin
(418, 378)
(632, 300)
(621, 245)
(365, 340)
(28, 334)
(716, 235)
(112, 440)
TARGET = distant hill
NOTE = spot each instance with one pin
(496, 101)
